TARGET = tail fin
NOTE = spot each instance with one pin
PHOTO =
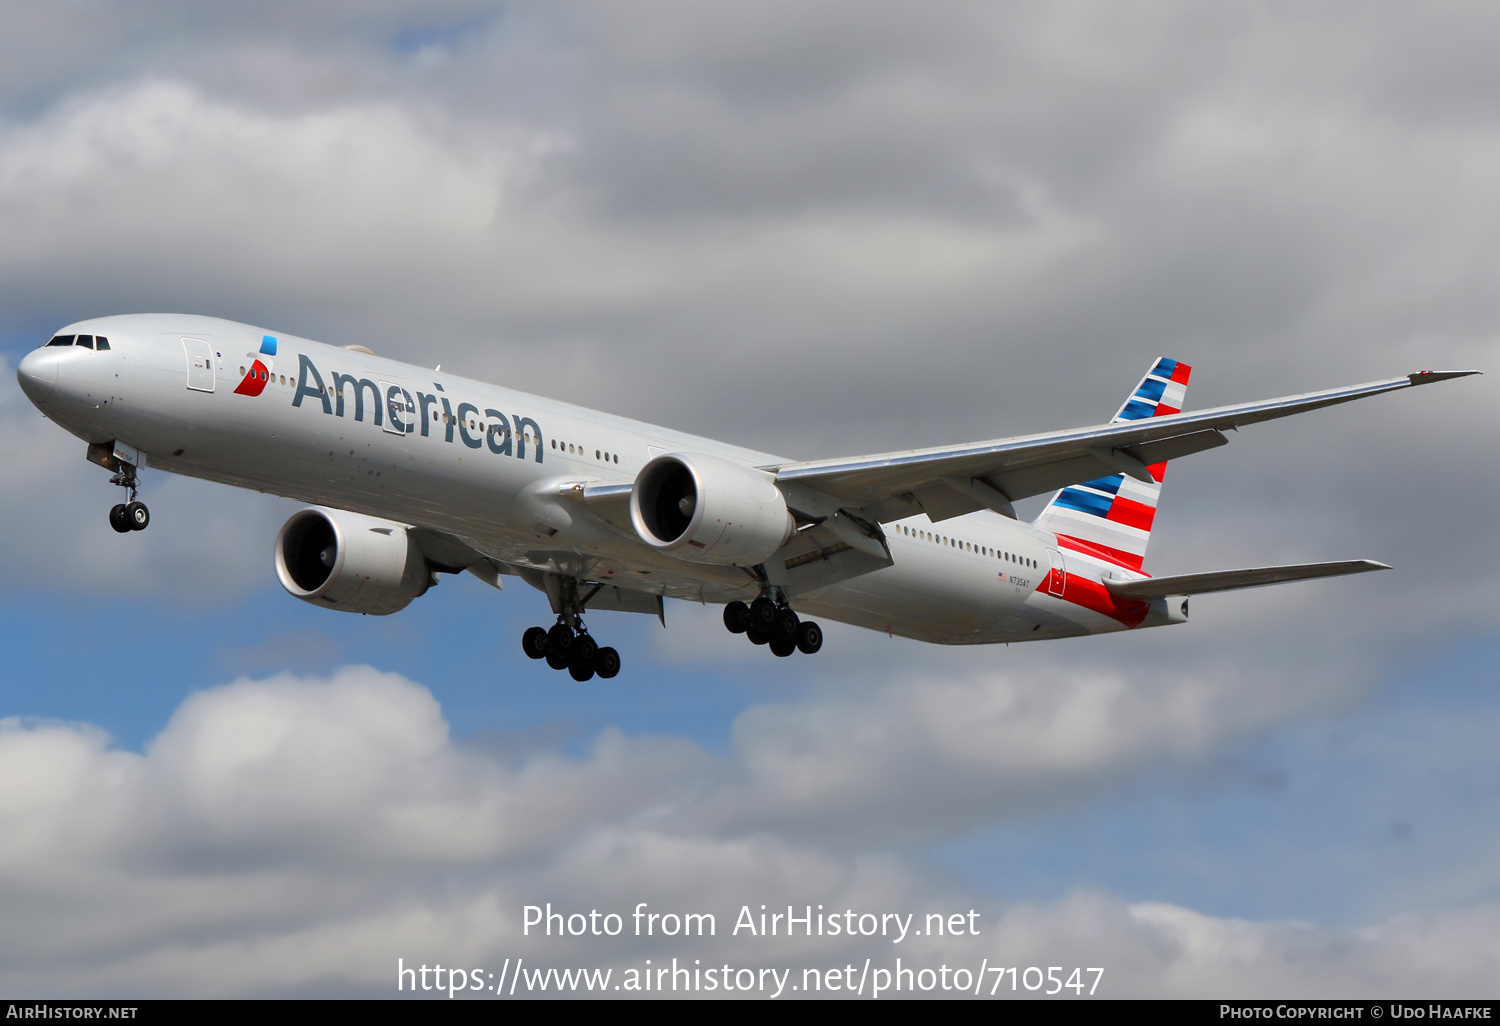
(1110, 518)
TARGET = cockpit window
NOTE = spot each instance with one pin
(87, 341)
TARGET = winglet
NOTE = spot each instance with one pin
(1428, 377)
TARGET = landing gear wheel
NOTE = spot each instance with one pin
(785, 627)
(809, 637)
(736, 617)
(762, 614)
(117, 519)
(137, 516)
(606, 663)
(579, 668)
(534, 642)
(583, 651)
(557, 662)
(783, 647)
(757, 637)
(559, 639)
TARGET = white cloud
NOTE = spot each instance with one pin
(297, 836)
(1154, 950)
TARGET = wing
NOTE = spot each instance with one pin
(1230, 580)
(949, 482)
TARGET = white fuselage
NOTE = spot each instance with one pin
(358, 432)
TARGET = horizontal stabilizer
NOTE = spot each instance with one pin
(1229, 580)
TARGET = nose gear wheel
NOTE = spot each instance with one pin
(132, 515)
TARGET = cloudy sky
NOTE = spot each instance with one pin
(817, 230)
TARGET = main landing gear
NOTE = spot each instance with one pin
(132, 515)
(573, 650)
(768, 621)
(568, 646)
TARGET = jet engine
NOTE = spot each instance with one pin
(708, 510)
(350, 562)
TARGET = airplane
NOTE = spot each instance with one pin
(410, 473)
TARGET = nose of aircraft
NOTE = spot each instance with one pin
(37, 374)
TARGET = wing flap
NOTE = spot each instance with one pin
(1231, 580)
(1151, 453)
(836, 550)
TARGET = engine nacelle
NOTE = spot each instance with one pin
(708, 510)
(350, 562)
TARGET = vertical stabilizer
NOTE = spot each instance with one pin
(1110, 518)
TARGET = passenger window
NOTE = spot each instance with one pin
(87, 341)
(62, 340)
(101, 343)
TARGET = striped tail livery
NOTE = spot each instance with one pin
(1109, 518)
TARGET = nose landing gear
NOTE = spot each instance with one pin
(773, 622)
(132, 515)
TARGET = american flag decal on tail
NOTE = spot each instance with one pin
(1110, 517)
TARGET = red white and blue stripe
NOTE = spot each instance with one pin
(1109, 518)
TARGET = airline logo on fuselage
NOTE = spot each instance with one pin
(259, 374)
(398, 412)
